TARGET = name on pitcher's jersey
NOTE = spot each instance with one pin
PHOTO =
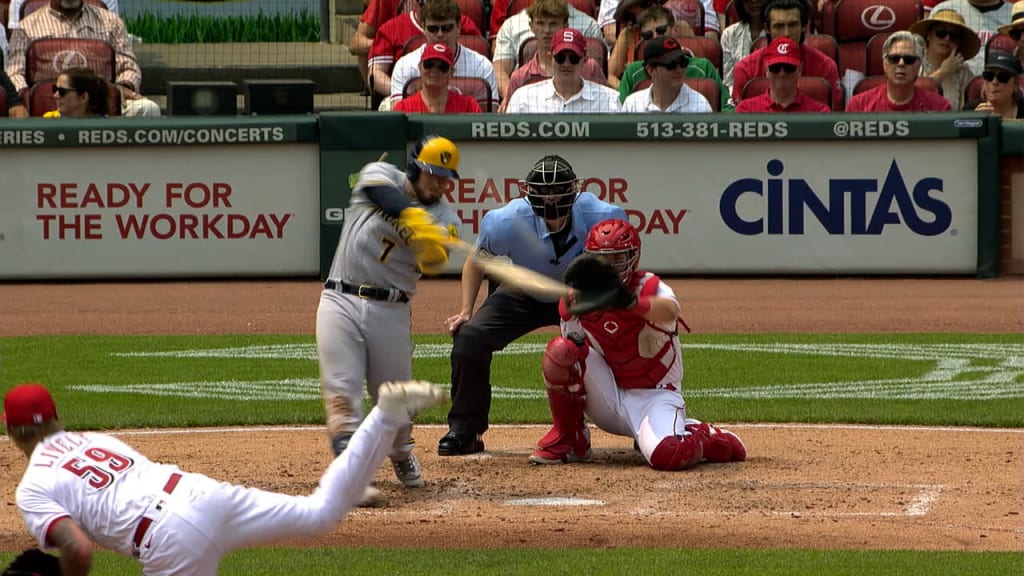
(374, 247)
(100, 482)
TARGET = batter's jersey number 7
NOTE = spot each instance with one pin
(105, 467)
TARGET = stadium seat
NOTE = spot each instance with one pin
(731, 15)
(596, 49)
(703, 47)
(824, 43)
(40, 99)
(709, 88)
(972, 91)
(1000, 42)
(874, 53)
(478, 88)
(854, 22)
(474, 10)
(46, 57)
(814, 86)
(477, 44)
(689, 11)
(870, 82)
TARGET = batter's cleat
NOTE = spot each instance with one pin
(372, 498)
(562, 450)
(409, 397)
(456, 444)
(408, 471)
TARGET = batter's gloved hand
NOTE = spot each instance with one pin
(596, 286)
(33, 562)
(427, 238)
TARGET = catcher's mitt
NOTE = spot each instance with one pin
(33, 562)
(596, 286)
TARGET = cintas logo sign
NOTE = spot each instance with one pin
(854, 206)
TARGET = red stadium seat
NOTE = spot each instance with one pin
(689, 11)
(972, 92)
(474, 10)
(870, 82)
(703, 47)
(814, 86)
(709, 88)
(478, 88)
(854, 22)
(45, 58)
(874, 54)
(596, 49)
(825, 43)
(40, 99)
(514, 7)
(731, 15)
(3, 103)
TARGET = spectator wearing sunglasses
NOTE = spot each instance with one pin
(984, 17)
(624, 51)
(1015, 29)
(441, 22)
(949, 43)
(666, 62)
(539, 20)
(79, 93)
(566, 92)
(653, 20)
(903, 52)
(787, 18)
(389, 41)
(542, 65)
(739, 37)
(1001, 91)
(782, 67)
(435, 95)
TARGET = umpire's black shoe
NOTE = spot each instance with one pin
(455, 444)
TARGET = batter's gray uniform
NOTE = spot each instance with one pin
(365, 336)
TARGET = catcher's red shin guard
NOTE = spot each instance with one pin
(722, 445)
(563, 368)
(678, 453)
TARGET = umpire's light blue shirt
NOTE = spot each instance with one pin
(515, 231)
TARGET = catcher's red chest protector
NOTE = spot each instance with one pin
(625, 341)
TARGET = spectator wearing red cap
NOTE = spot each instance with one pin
(435, 95)
(566, 92)
(665, 62)
(782, 67)
(903, 53)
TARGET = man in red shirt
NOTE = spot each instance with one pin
(782, 66)
(904, 52)
(787, 18)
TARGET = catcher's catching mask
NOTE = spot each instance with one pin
(435, 155)
(551, 187)
(619, 242)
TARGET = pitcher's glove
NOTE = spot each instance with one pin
(596, 286)
(33, 562)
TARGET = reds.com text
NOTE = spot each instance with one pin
(136, 211)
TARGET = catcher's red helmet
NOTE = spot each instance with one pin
(613, 237)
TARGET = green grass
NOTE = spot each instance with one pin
(190, 29)
(600, 562)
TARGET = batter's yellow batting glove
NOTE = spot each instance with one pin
(427, 239)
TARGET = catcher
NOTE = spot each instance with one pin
(82, 487)
(618, 361)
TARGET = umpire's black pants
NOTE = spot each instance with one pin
(503, 317)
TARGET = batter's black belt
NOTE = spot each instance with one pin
(368, 291)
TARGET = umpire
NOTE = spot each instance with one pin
(544, 232)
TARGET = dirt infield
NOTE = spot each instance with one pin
(803, 486)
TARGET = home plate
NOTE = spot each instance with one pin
(554, 502)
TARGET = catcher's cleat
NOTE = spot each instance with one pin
(409, 397)
(372, 498)
(721, 445)
(563, 450)
(408, 471)
(455, 444)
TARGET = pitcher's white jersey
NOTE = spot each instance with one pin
(99, 481)
(374, 247)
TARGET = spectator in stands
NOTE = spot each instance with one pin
(435, 95)
(782, 67)
(566, 92)
(983, 16)
(902, 62)
(949, 43)
(666, 64)
(76, 19)
(541, 19)
(441, 21)
(1001, 92)
(79, 93)
(1015, 29)
(389, 42)
(660, 18)
(787, 18)
(625, 47)
(739, 37)
(688, 11)
(14, 11)
(15, 106)
(375, 14)
(542, 64)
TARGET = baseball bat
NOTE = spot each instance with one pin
(383, 157)
(513, 275)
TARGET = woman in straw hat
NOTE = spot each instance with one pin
(1015, 29)
(950, 45)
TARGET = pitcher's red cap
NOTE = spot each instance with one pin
(28, 405)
